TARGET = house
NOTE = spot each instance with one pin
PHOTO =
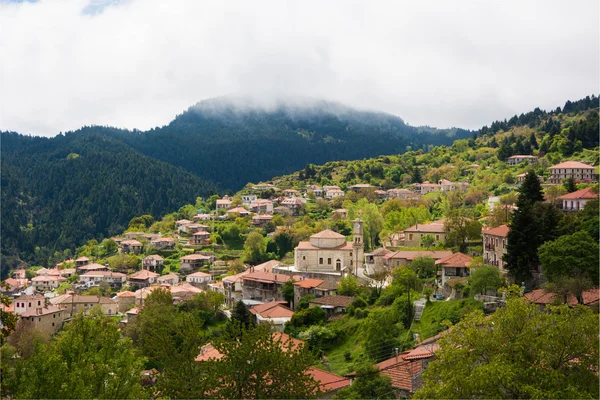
(200, 238)
(261, 187)
(329, 383)
(494, 246)
(448, 186)
(404, 257)
(375, 260)
(260, 220)
(328, 251)
(163, 243)
(67, 272)
(182, 222)
(400, 194)
(543, 298)
(114, 279)
(233, 284)
(381, 194)
(293, 204)
(223, 204)
(405, 369)
(521, 178)
(274, 312)
(517, 159)
(262, 206)
(47, 282)
(143, 278)
(134, 235)
(73, 304)
(316, 189)
(238, 210)
(19, 274)
(193, 261)
(198, 279)
(313, 287)
(192, 228)
(332, 304)
(331, 194)
(453, 266)
(576, 201)
(217, 287)
(81, 261)
(413, 236)
(247, 199)
(42, 272)
(131, 246)
(264, 286)
(13, 286)
(153, 262)
(579, 171)
(168, 279)
(46, 318)
(91, 267)
(202, 217)
(125, 301)
(426, 187)
(291, 193)
(360, 186)
(340, 213)
(281, 210)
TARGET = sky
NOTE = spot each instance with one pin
(138, 63)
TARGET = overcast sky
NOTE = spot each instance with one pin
(138, 63)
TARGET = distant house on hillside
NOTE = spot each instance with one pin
(577, 200)
(579, 171)
(404, 257)
(223, 204)
(153, 262)
(193, 261)
(426, 187)
(456, 265)
(131, 246)
(162, 243)
(413, 235)
(517, 159)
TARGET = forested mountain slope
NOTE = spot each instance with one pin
(59, 192)
(231, 142)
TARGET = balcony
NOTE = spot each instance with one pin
(490, 247)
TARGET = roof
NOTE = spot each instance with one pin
(83, 259)
(45, 278)
(109, 274)
(91, 267)
(572, 164)
(423, 351)
(34, 312)
(308, 283)
(208, 352)
(431, 227)
(199, 274)
(521, 156)
(336, 301)
(328, 234)
(126, 293)
(193, 257)
(328, 381)
(239, 210)
(502, 231)
(309, 246)
(273, 309)
(164, 239)
(381, 252)
(586, 193)
(131, 243)
(143, 274)
(167, 277)
(541, 296)
(154, 257)
(268, 277)
(455, 260)
(412, 254)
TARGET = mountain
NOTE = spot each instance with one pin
(234, 141)
(59, 192)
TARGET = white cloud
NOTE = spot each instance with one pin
(137, 63)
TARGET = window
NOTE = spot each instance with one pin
(53, 324)
(29, 304)
(320, 260)
(39, 319)
(410, 236)
(437, 238)
(329, 261)
(39, 303)
(53, 316)
(304, 257)
(350, 254)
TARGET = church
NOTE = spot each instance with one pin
(328, 251)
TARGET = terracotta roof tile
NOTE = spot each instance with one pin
(336, 301)
(572, 164)
(328, 234)
(587, 193)
(502, 231)
(455, 260)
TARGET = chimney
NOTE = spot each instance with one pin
(396, 351)
(417, 227)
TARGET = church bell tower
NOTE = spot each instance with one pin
(358, 246)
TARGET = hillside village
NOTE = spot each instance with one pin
(371, 260)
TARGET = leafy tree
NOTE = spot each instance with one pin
(307, 317)
(485, 278)
(262, 365)
(123, 262)
(287, 290)
(348, 286)
(255, 248)
(236, 266)
(460, 227)
(517, 352)
(427, 240)
(241, 314)
(424, 267)
(304, 301)
(380, 332)
(8, 320)
(88, 341)
(574, 256)
(368, 384)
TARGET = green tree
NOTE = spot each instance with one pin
(89, 358)
(241, 314)
(569, 185)
(287, 291)
(380, 332)
(485, 278)
(368, 384)
(427, 240)
(460, 227)
(517, 352)
(255, 248)
(8, 320)
(262, 365)
(348, 286)
(424, 267)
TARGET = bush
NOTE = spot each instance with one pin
(307, 317)
(452, 311)
(321, 337)
(303, 302)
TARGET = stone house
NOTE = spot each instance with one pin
(293, 204)
(47, 282)
(199, 279)
(91, 267)
(375, 260)
(46, 318)
(291, 193)
(262, 206)
(81, 261)
(404, 257)
(193, 261)
(260, 220)
(73, 304)
(331, 194)
(168, 279)
(200, 238)
(274, 312)
(163, 243)
(426, 187)
(125, 301)
(316, 189)
(114, 279)
(454, 266)
(223, 204)
(143, 278)
(264, 286)
(153, 262)
(400, 194)
(247, 199)
(313, 287)
(360, 186)
(494, 246)
(328, 251)
(413, 235)
(517, 159)
(332, 304)
(131, 246)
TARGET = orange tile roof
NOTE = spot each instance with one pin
(144, 274)
(455, 260)
(502, 231)
(200, 274)
(126, 293)
(308, 283)
(424, 351)
(328, 381)
(273, 309)
(572, 164)
(541, 296)
(412, 254)
(328, 234)
(336, 301)
(309, 246)
(208, 352)
(586, 193)
(427, 228)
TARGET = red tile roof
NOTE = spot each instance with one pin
(501, 231)
(572, 164)
(336, 301)
(308, 283)
(455, 260)
(586, 193)
(208, 352)
(427, 228)
(412, 254)
(143, 275)
(328, 234)
(541, 296)
(327, 381)
(200, 274)
(273, 309)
